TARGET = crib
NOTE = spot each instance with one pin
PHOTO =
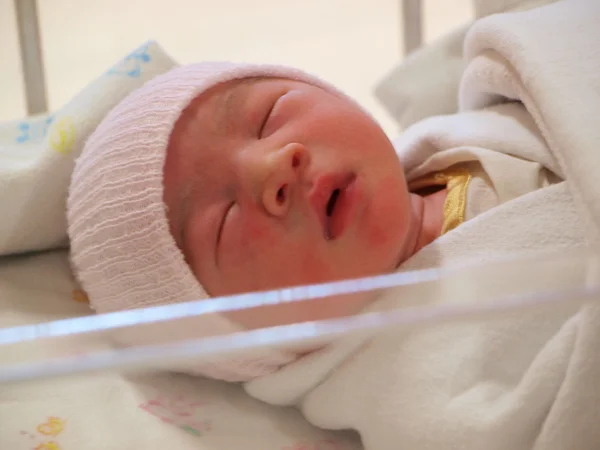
(69, 386)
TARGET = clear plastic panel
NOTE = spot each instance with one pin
(412, 299)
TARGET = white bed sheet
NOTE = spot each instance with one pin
(115, 411)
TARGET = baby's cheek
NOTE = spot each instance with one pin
(377, 235)
(283, 260)
(249, 227)
(389, 213)
(265, 254)
(256, 233)
(311, 265)
(251, 240)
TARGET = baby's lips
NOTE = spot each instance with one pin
(321, 193)
(319, 196)
(344, 209)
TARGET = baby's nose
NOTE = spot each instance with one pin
(283, 179)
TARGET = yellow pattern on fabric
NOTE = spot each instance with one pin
(53, 427)
(457, 184)
(62, 135)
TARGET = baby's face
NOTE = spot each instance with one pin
(271, 183)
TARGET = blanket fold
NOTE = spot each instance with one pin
(549, 59)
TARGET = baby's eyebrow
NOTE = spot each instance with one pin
(232, 105)
(229, 107)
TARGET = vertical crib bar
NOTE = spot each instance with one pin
(31, 56)
(412, 19)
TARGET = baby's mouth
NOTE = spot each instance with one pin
(331, 203)
(329, 209)
(330, 199)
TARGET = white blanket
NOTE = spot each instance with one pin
(530, 380)
(426, 82)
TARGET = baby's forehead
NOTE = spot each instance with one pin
(231, 94)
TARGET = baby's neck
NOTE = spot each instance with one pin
(429, 218)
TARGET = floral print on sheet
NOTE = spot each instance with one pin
(62, 135)
(180, 412)
(33, 130)
(199, 417)
(46, 434)
(48, 446)
(60, 132)
(132, 65)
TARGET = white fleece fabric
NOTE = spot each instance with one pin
(527, 380)
(425, 83)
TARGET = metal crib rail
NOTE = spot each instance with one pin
(32, 59)
(493, 291)
(412, 25)
(31, 56)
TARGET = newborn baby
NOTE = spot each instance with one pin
(216, 179)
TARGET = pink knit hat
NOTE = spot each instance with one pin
(122, 251)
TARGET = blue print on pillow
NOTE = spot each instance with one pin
(33, 130)
(131, 66)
